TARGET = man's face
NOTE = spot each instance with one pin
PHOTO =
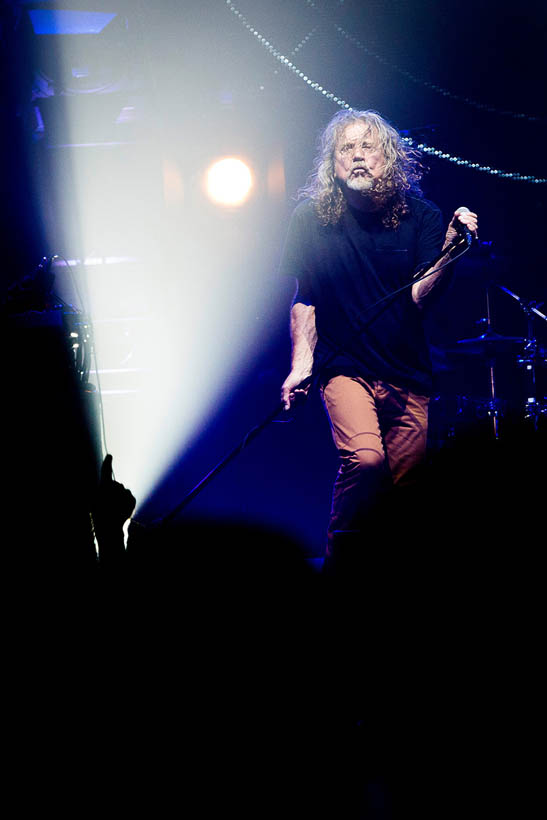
(358, 159)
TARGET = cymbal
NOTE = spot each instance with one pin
(487, 344)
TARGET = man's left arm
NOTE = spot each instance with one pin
(422, 289)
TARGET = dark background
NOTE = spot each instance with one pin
(204, 82)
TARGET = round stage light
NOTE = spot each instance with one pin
(229, 182)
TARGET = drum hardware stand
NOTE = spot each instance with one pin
(488, 346)
(531, 355)
(493, 405)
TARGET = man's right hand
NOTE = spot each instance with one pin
(303, 338)
(295, 388)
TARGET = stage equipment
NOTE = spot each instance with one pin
(531, 359)
(491, 346)
(488, 345)
(32, 304)
(53, 440)
(65, 21)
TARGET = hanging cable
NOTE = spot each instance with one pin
(329, 95)
(303, 42)
(491, 109)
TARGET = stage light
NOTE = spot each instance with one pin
(65, 21)
(229, 182)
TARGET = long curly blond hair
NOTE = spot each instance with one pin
(402, 172)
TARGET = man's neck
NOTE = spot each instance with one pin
(362, 201)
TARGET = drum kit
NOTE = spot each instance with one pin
(460, 412)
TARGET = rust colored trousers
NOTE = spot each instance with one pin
(380, 432)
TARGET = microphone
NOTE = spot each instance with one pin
(462, 229)
(456, 244)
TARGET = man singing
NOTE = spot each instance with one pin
(362, 232)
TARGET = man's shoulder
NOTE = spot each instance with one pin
(305, 211)
(303, 220)
(420, 207)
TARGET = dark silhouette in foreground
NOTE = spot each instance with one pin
(213, 661)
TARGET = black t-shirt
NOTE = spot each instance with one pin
(343, 269)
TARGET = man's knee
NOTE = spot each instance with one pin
(365, 461)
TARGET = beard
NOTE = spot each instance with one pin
(361, 182)
(378, 191)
